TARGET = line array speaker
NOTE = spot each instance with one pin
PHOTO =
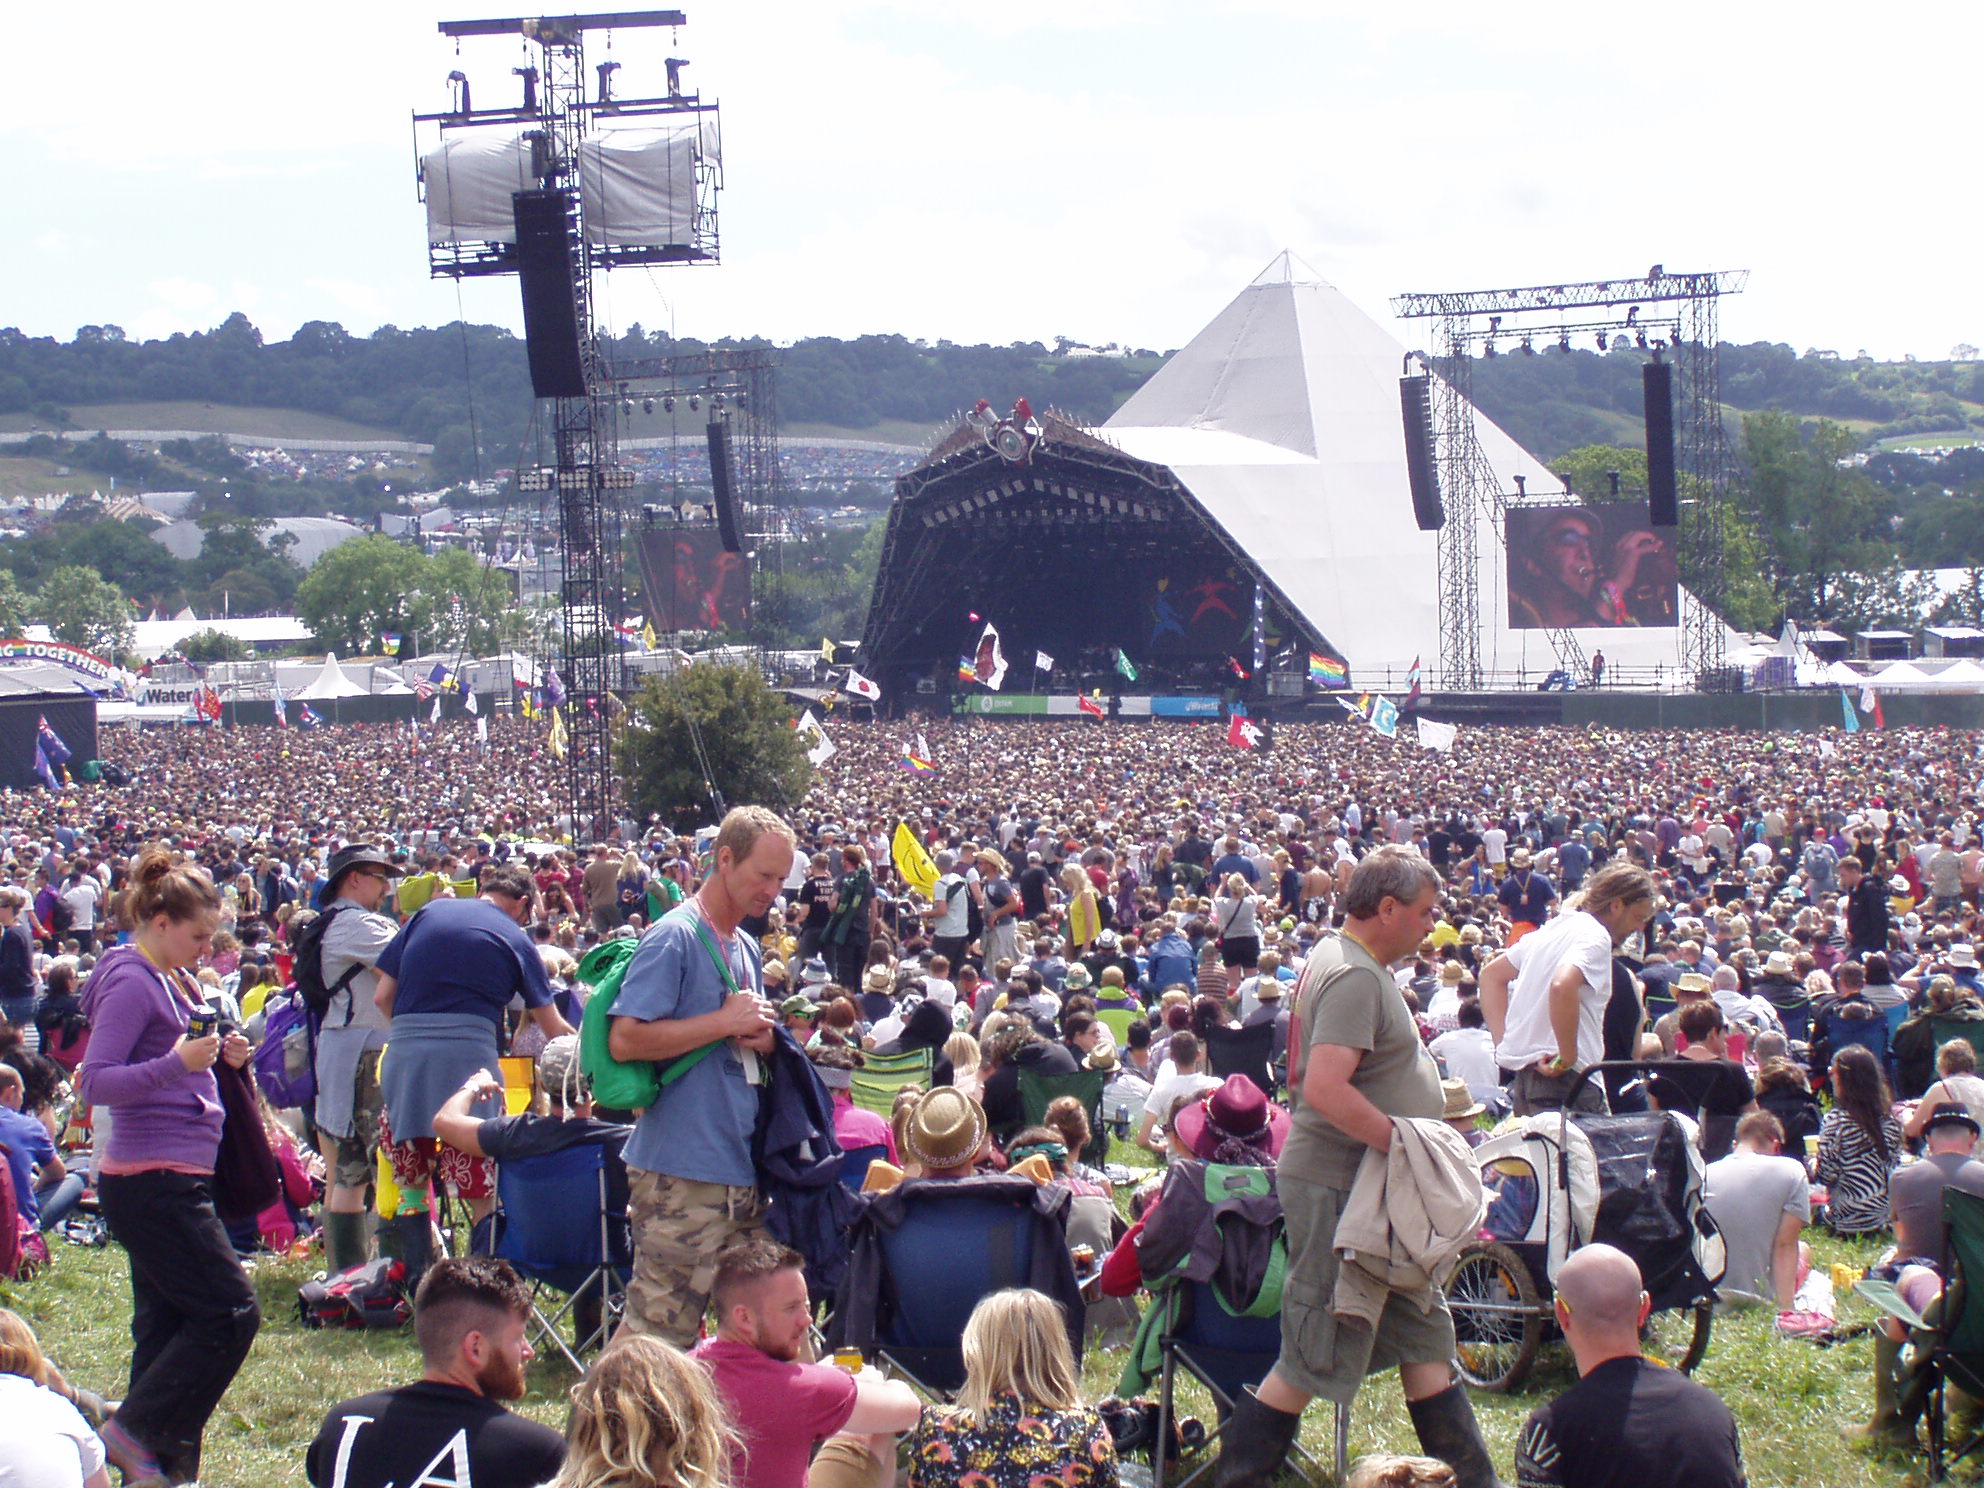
(551, 317)
(726, 503)
(1415, 402)
(1657, 382)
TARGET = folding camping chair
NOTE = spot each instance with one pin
(951, 1251)
(855, 1161)
(1038, 1092)
(1970, 1030)
(876, 1083)
(1243, 1051)
(554, 1224)
(1226, 1354)
(1948, 1344)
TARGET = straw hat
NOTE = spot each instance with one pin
(947, 1129)
(1778, 963)
(1964, 955)
(1461, 1104)
(878, 978)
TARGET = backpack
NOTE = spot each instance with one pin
(369, 1296)
(286, 1059)
(632, 1085)
(307, 968)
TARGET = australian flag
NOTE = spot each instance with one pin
(49, 742)
(554, 690)
(310, 717)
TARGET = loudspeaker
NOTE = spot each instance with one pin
(726, 505)
(1415, 402)
(551, 317)
(1657, 383)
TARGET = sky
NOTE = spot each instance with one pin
(1107, 170)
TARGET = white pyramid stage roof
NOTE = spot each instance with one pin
(331, 681)
(1281, 418)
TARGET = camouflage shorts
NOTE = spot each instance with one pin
(681, 1230)
(352, 1157)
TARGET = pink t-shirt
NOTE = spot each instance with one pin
(780, 1408)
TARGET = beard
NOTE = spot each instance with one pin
(501, 1379)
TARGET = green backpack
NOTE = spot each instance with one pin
(620, 1085)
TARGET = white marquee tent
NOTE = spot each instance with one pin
(1282, 420)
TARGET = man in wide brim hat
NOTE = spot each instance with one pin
(1235, 1112)
(945, 1134)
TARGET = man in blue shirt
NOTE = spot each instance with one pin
(693, 993)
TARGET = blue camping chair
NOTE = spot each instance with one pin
(948, 1255)
(553, 1224)
(854, 1163)
(1224, 1353)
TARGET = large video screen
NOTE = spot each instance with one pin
(1197, 610)
(690, 583)
(1580, 567)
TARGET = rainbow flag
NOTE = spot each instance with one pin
(917, 766)
(967, 669)
(1327, 671)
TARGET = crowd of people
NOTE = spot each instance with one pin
(1402, 945)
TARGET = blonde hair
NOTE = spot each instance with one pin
(646, 1416)
(1017, 1344)
(962, 1050)
(20, 1352)
(743, 827)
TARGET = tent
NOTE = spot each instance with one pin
(1281, 418)
(329, 683)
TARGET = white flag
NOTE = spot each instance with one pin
(435, 716)
(1042, 662)
(1384, 716)
(482, 729)
(469, 703)
(1826, 749)
(819, 748)
(1867, 698)
(1438, 736)
(989, 663)
(861, 687)
(922, 746)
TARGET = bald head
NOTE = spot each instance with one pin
(1600, 1287)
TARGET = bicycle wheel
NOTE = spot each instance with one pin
(1498, 1318)
(1679, 1336)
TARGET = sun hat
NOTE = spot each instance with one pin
(1778, 963)
(814, 973)
(798, 1005)
(1461, 1104)
(1077, 979)
(1235, 1111)
(878, 978)
(946, 1130)
(1898, 884)
(359, 855)
(1962, 954)
(1691, 981)
(1950, 1113)
(1452, 973)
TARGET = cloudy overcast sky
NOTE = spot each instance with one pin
(1114, 170)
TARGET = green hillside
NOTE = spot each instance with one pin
(205, 418)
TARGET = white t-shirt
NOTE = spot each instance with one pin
(82, 897)
(1574, 939)
(1469, 1054)
(940, 991)
(1168, 1089)
(44, 1440)
(1497, 842)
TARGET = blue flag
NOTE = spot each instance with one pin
(45, 770)
(50, 742)
(310, 717)
(1384, 717)
(1852, 718)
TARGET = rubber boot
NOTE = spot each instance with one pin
(1446, 1428)
(1254, 1444)
(345, 1241)
(416, 1246)
(1887, 1429)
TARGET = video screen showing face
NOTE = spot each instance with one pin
(691, 583)
(1579, 567)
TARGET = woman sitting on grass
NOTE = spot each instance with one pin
(646, 1416)
(44, 1439)
(1859, 1145)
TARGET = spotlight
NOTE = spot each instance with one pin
(1601, 341)
(647, 405)
(1487, 348)
(1633, 315)
(668, 403)
(1528, 349)
(1564, 341)
(694, 402)
(1639, 340)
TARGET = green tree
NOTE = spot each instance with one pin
(204, 646)
(80, 609)
(490, 618)
(15, 607)
(743, 728)
(1824, 526)
(365, 587)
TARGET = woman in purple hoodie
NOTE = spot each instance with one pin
(194, 1314)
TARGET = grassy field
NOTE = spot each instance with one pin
(1790, 1398)
(39, 478)
(210, 418)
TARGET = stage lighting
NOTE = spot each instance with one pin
(1564, 342)
(1602, 343)
(1487, 348)
(1522, 486)
(1528, 349)
(1639, 340)
(1633, 315)
(694, 402)
(668, 403)
(461, 78)
(647, 405)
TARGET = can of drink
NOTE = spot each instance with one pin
(1811, 1147)
(848, 1359)
(1844, 1276)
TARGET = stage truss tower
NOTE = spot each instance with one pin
(1673, 316)
(635, 181)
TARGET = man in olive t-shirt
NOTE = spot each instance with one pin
(1358, 1063)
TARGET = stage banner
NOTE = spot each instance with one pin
(1011, 704)
(1579, 567)
(1186, 707)
(690, 583)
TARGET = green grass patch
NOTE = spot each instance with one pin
(1790, 1398)
(208, 418)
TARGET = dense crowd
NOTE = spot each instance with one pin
(1401, 940)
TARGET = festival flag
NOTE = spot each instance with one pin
(1362, 707)
(1088, 705)
(470, 705)
(1042, 662)
(1852, 721)
(281, 703)
(527, 705)
(435, 716)
(1437, 736)
(554, 690)
(826, 651)
(923, 746)
(1870, 702)
(989, 664)
(912, 862)
(916, 766)
(1242, 732)
(861, 687)
(206, 704)
(648, 638)
(819, 748)
(1238, 670)
(390, 643)
(1327, 671)
(310, 717)
(1412, 686)
(43, 769)
(1123, 665)
(481, 730)
(557, 743)
(628, 634)
(52, 744)
(422, 688)
(967, 669)
(1384, 716)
